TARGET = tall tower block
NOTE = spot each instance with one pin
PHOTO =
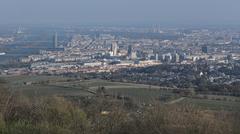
(55, 40)
(114, 48)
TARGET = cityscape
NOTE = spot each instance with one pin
(111, 52)
(108, 52)
(119, 67)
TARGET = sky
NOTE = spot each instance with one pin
(126, 12)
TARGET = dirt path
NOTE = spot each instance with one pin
(176, 101)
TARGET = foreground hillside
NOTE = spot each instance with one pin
(60, 105)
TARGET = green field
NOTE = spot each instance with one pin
(50, 85)
(42, 85)
(213, 104)
(65, 86)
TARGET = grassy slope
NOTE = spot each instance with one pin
(68, 86)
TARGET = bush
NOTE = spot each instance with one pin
(181, 120)
(56, 115)
(46, 115)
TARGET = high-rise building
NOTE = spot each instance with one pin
(167, 57)
(129, 50)
(55, 40)
(133, 55)
(156, 57)
(205, 49)
(177, 58)
(114, 48)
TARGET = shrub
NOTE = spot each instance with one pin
(46, 115)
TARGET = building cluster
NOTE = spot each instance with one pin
(6, 40)
(108, 51)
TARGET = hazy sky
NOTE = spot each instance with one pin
(120, 11)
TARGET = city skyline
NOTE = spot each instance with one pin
(119, 66)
